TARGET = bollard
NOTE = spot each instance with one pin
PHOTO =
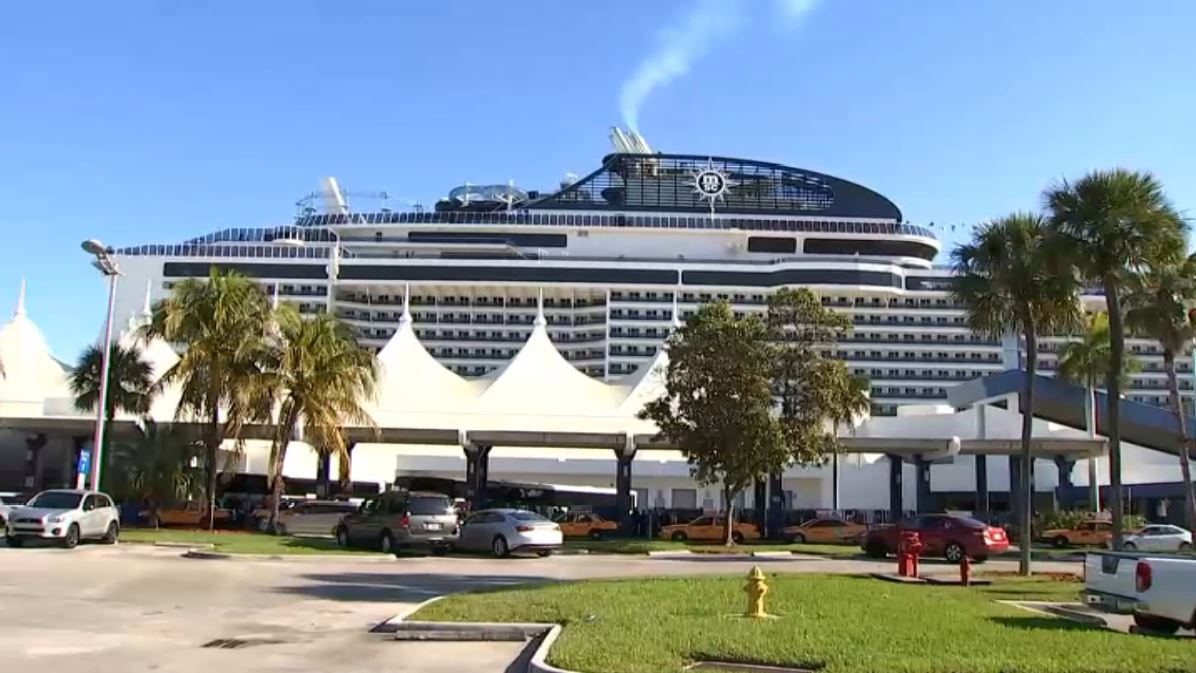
(755, 588)
(965, 571)
(909, 547)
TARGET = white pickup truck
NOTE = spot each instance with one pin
(1158, 590)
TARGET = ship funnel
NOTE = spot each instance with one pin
(334, 198)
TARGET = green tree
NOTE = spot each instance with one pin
(131, 388)
(718, 405)
(222, 322)
(322, 377)
(158, 467)
(1010, 279)
(1084, 362)
(817, 394)
(1115, 224)
(1160, 305)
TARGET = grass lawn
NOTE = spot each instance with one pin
(837, 624)
(642, 546)
(238, 542)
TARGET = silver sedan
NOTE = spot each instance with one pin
(506, 531)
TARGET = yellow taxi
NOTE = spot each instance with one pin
(585, 524)
(827, 531)
(709, 528)
(1097, 533)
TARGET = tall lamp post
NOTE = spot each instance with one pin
(107, 266)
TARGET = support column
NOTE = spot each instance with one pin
(323, 474)
(896, 485)
(477, 468)
(760, 505)
(623, 458)
(33, 445)
(1015, 487)
(982, 503)
(776, 506)
(835, 481)
(1063, 489)
(923, 473)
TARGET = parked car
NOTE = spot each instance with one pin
(709, 528)
(67, 516)
(8, 502)
(1096, 533)
(944, 535)
(506, 531)
(1159, 537)
(585, 524)
(1160, 592)
(191, 513)
(831, 531)
(401, 519)
(314, 517)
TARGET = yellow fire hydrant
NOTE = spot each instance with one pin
(755, 590)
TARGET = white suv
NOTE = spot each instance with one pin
(64, 515)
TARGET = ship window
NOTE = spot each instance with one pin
(772, 244)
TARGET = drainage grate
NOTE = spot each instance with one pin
(237, 643)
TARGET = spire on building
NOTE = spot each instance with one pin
(147, 310)
(20, 310)
(541, 321)
(406, 317)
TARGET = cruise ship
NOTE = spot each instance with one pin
(619, 254)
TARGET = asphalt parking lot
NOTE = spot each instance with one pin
(145, 608)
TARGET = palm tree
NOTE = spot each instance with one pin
(222, 321)
(1115, 224)
(322, 376)
(1159, 304)
(131, 387)
(1084, 362)
(1009, 278)
(158, 467)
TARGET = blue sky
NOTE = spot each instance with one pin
(166, 120)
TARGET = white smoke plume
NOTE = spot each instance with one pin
(678, 46)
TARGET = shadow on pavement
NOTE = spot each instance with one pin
(1042, 623)
(400, 588)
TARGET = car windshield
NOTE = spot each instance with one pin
(428, 505)
(523, 515)
(52, 500)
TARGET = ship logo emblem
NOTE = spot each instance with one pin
(710, 183)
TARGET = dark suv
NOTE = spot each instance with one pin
(396, 520)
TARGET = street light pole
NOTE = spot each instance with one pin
(107, 267)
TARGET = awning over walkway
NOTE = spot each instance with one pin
(1063, 403)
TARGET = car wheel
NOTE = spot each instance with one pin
(1060, 541)
(876, 549)
(596, 534)
(798, 538)
(72, 537)
(342, 537)
(736, 537)
(386, 542)
(1185, 546)
(14, 541)
(111, 534)
(498, 548)
(679, 537)
(544, 553)
(1129, 546)
(953, 552)
(1157, 624)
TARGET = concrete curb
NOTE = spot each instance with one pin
(481, 631)
(197, 553)
(773, 554)
(670, 552)
(180, 545)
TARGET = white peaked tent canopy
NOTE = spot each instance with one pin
(159, 354)
(30, 373)
(536, 391)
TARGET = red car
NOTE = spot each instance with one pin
(942, 535)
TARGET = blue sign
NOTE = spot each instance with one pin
(84, 465)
